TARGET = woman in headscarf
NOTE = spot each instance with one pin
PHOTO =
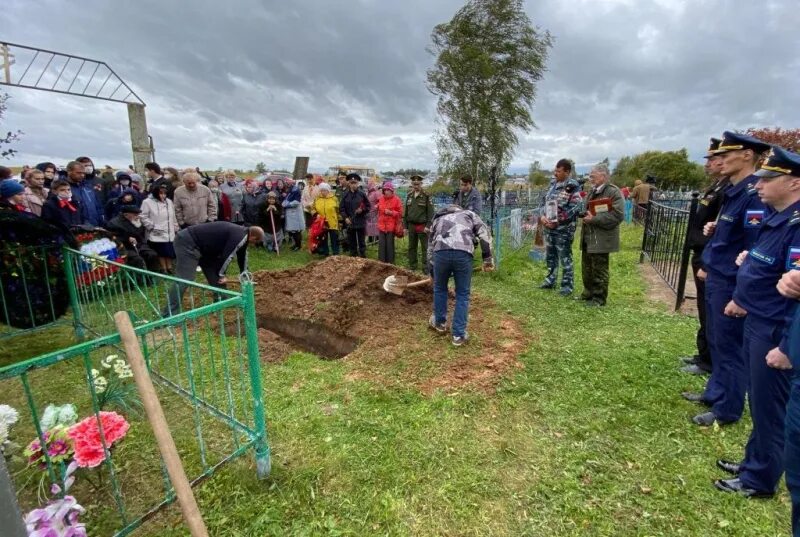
(294, 220)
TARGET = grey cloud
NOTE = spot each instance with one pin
(231, 84)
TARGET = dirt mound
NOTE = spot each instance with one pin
(337, 308)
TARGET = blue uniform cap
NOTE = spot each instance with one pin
(734, 141)
(780, 162)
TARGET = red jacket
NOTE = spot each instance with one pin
(388, 223)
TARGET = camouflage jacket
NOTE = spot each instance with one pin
(454, 228)
(570, 204)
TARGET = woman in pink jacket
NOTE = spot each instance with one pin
(390, 214)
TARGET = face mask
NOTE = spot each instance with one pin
(125, 183)
(65, 196)
(88, 170)
(49, 175)
(136, 223)
(167, 176)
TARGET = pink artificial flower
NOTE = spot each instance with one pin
(86, 436)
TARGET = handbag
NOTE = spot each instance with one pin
(399, 232)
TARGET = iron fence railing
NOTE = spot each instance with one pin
(664, 242)
(204, 361)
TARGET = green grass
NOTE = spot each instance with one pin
(590, 438)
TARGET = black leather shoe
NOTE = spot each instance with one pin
(728, 466)
(695, 398)
(690, 360)
(546, 285)
(706, 419)
(735, 486)
(694, 370)
(594, 304)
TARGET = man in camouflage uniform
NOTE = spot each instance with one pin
(560, 231)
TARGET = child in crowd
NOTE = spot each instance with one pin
(60, 209)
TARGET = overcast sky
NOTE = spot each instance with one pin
(343, 81)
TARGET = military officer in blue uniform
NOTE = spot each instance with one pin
(767, 318)
(563, 195)
(789, 286)
(735, 230)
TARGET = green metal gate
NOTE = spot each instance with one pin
(204, 361)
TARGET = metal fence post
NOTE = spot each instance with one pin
(263, 462)
(646, 229)
(72, 289)
(497, 242)
(685, 254)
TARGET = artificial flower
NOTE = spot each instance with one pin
(109, 361)
(89, 451)
(8, 415)
(57, 443)
(122, 369)
(54, 415)
(60, 517)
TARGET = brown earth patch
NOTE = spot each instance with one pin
(658, 290)
(337, 308)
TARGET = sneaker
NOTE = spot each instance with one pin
(198, 269)
(565, 291)
(441, 328)
(460, 340)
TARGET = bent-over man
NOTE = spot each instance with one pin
(212, 247)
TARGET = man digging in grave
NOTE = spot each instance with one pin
(450, 252)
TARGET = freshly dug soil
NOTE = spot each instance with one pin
(337, 308)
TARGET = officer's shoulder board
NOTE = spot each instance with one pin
(751, 189)
(794, 219)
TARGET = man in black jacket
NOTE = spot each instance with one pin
(707, 210)
(156, 180)
(211, 246)
(128, 229)
(354, 208)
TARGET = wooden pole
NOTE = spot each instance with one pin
(155, 415)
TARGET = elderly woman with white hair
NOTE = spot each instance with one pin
(605, 210)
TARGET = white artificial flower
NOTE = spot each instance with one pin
(95, 373)
(109, 360)
(100, 384)
(122, 369)
(8, 415)
(55, 415)
(3, 434)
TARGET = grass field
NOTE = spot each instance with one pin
(590, 438)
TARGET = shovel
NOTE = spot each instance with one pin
(397, 284)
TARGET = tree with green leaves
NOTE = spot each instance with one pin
(489, 60)
(261, 167)
(672, 170)
(537, 176)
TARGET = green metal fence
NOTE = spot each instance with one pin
(204, 361)
(514, 232)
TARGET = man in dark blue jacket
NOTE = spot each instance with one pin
(354, 208)
(85, 194)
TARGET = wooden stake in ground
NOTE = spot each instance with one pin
(155, 415)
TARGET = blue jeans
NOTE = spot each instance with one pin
(458, 264)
